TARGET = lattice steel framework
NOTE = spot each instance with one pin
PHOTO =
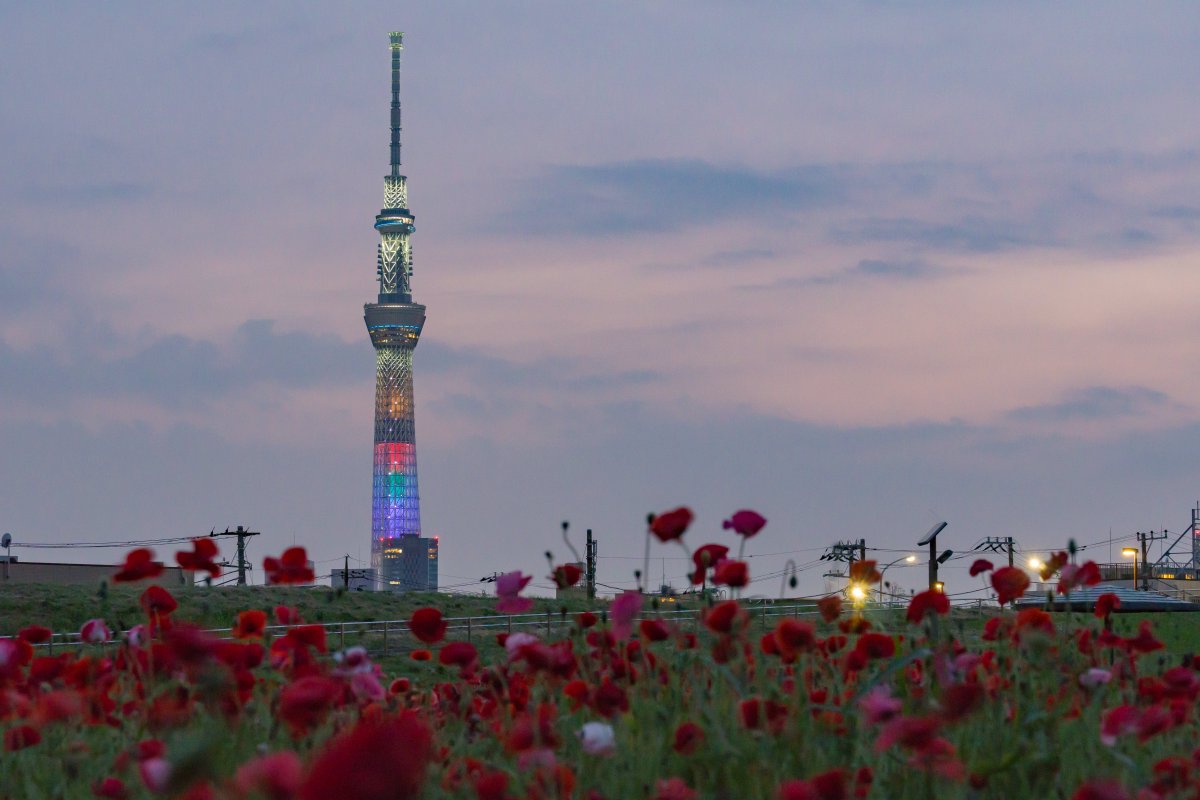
(402, 558)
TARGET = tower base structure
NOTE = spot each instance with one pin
(402, 558)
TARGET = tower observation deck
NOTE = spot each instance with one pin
(402, 559)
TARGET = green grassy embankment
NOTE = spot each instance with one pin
(65, 608)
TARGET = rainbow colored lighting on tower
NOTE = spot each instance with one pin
(401, 558)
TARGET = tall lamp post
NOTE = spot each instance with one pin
(1132, 551)
(6, 543)
(911, 559)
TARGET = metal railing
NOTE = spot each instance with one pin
(384, 637)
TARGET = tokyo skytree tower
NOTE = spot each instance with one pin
(401, 558)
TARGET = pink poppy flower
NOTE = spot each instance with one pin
(745, 523)
(508, 587)
(624, 608)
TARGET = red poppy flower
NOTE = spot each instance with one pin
(200, 559)
(20, 737)
(275, 776)
(750, 713)
(674, 789)
(566, 575)
(671, 524)
(830, 607)
(724, 617)
(1072, 576)
(608, 698)
(420, 655)
(980, 565)
(654, 630)
(492, 785)
(1009, 583)
(376, 760)
(157, 602)
(1116, 722)
(459, 654)
(251, 624)
(139, 564)
(930, 600)
(1101, 790)
(829, 785)
(706, 557)
(291, 567)
(745, 523)
(1144, 642)
(688, 737)
(793, 636)
(35, 634)
(111, 788)
(1106, 604)
(959, 700)
(864, 572)
(586, 619)
(732, 573)
(1053, 564)
(427, 625)
(875, 645)
(305, 702)
(285, 615)
(1034, 619)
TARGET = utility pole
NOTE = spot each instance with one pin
(1145, 539)
(590, 566)
(998, 544)
(346, 572)
(243, 565)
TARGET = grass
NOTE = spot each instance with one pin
(66, 608)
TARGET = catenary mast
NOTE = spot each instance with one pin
(401, 558)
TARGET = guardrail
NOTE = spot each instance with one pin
(383, 637)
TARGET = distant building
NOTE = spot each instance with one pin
(358, 580)
(415, 560)
(14, 571)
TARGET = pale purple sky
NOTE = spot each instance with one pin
(859, 266)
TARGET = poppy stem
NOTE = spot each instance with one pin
(645, 562)
(570, 546)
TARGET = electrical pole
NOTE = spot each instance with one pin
(243, 565)
(998, 544)
(346, 572)
(590, 566)
(1144, 539)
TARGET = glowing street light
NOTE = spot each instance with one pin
(908, 559)
(858, 593)
(1132, 552)
(1035, 563)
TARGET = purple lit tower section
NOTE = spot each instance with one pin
(402, 559)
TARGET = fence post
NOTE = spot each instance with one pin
(385, 627)
(547, 624)
(469, 628)
(342, 628)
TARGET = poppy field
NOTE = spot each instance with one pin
(844, 703)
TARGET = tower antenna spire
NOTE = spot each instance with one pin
(397, 44)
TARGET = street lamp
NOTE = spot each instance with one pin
(910, 559)
(858, 594)
(1132, 551)
(1035, 564)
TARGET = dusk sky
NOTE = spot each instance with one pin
(860, 266)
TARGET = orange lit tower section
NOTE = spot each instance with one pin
(402, 558)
